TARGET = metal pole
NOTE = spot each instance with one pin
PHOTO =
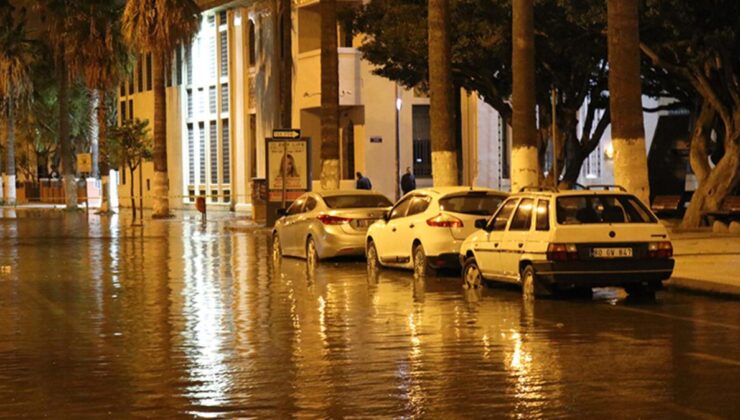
(556, 174)
(283, 167)
(141, 193)
(398, 146)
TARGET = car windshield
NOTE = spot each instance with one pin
(474, 202)
(588, 209)
(356, 201)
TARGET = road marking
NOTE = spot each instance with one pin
(679, 318)
(712, 358)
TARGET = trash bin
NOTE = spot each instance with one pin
(259, 200)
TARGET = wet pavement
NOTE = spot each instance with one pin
(181, 319)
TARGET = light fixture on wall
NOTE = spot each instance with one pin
(609, 151)
(238, 18)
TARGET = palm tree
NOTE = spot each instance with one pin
(16, 57)
(442, 106)
(329, 96)
(524, 160)
(158, 27)
(103, 60)
(628, 133)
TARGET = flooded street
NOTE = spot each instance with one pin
(180, 319)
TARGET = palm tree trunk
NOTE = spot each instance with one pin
(442, 97)
(286, 63)
(94, 131)
(102, 157)
(133, 194)
(161, 203)
(524, 160)
(329, 97)
(625, 97)
(68, 170)
(10, 196)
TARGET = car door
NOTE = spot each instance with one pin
(411, 226)
(516, 238)
(488, 251)
(288, 237)
(303, 222)
(386, 237)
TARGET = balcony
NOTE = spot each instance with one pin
(308, 78)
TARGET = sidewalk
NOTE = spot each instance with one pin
(706, 262)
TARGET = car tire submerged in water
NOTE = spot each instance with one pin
(312, 255)
(471, 275)
(421, 265)
(277, 251)
(373, 262)
(640, 291)
(532, 286)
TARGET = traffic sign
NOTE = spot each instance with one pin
(286, 133)
(84, 162)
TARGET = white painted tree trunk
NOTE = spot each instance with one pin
(524, 168)
(444, 168)
(630, 164)
(9, 196)
(161, 200)
(94, 131)
(70, 191)
(329, 174)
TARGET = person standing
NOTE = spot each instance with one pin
(363, 182)
(408, 181)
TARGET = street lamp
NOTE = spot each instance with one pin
(399, 104)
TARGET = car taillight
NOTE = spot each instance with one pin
(328, 219)
(562, 252)
(660, 249)
(445, 221)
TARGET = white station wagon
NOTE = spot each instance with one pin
(560, 241)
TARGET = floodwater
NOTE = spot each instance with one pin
(184, 319)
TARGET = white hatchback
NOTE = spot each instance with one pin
(559, 241)
(425, 228)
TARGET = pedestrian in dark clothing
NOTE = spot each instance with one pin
(363, 182)
(408, 182)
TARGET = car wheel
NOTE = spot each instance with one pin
(472, 277)
(373, 262)
(277, 251)
(532, 287)
(421, 265)
(640, 291)
(312, 255)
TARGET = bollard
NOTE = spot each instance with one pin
(200, 204)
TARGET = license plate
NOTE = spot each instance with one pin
(363, 223)
(611, 252)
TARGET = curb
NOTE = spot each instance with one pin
(703, 286)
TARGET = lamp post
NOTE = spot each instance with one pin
(399, 103)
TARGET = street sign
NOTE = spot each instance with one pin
(286, 133)
(84, 163)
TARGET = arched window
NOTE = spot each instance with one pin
(252, 45)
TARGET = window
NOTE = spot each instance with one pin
(523, 217)
(131, 84)
(213, 141)
(178, 66)
(202, 152)
(191, 155)
(400, 209)
(212, 99)
(189, 95)
(131, 109)
(149, 71)
(476, 203)
(356, 201)
(502, 217)
(543, 215)
(139, 75)
(418, 205)
(602, 209)
(252, 45)
(348, 151)
(201, 101)
(224, 98)
(421, 141)
(123, 112)
(224, 54)
(310, 204)
(505, 154)
(253, 145)
(189, 64)
(225, 155)
(123, 89)
(296, 207)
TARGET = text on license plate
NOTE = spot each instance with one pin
(611, 252)
(364, 223)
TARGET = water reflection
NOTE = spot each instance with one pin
(180, 318)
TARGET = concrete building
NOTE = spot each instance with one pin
(222, 100)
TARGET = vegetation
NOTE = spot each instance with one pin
(130, 144)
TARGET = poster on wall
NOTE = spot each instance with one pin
(290, 158)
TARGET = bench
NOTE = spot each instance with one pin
(667, 205)
(729, 211)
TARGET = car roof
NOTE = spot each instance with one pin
(566, 193)
(441, 191)
(336, 193)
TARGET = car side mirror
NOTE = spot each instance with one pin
(281, 212)
(481, 223)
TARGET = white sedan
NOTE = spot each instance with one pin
(425, 228)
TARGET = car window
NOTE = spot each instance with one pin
(357, 201)
(502, 216)
(587, 209)
(296, 207)
(310, 204)
(473, 202)
(543, 215)
(418, 205)
(522, 219)
(400, 209)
